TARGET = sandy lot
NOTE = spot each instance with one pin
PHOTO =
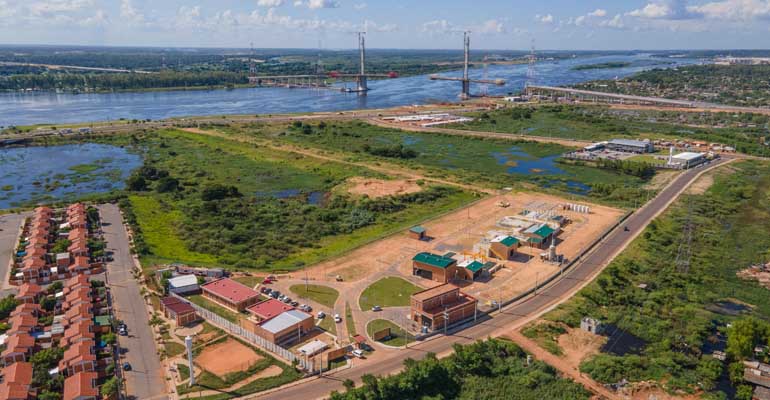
(460, 232)
(226, 357)
(375, 188)
(578, 345)
(268, 372)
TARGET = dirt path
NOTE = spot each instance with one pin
(383, 168)
(569, 372)
(483, 134)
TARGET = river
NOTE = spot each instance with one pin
(57, 108)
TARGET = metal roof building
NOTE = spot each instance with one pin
(285, 320)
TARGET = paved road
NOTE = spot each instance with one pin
(581, 272)
(9, 232)
(145, 380)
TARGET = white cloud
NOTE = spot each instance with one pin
(47, 7)
(662, 9)
(741, 10)
(99, 19)
(129, 13)
(491, 26)
(371, 26)
(360, 6)
(598, 13)
(616, 22)
(316, 4)
(270, 3)
(546, 19)
(438, 26)
(299, 3)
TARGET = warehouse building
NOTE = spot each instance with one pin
(285, 328)
(231, 294)
(441, 306)
(631, 146)
(687, 159)
(183, 284)
(503, 247)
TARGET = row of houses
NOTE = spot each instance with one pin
(270, 319)
(79, 319)
(35, 261)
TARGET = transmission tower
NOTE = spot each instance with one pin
(485, 86)
(684, 252)
(319, 67)
(532, 59)
(252, 65)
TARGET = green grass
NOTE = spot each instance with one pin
(184, 372)
(328, 325)
(387, 292)
(250, 281)
(320, 294)
(173, 349)
(349, 322)
(214, 307)
(397, 338)
(84, 168)
(546, 334)
(159, 222)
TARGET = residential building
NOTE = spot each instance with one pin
(79, 357)
(18, 348)
(29, 293)
(441, 306)
(81, 386)
(230, 294)
(16, 382)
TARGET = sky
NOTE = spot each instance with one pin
(421, 24)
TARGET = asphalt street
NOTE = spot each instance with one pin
(9, 232)
(579, 274)
(145, 381)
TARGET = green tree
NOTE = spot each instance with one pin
(7, 305)
(110, 387)
(744, 335)
(136, 183)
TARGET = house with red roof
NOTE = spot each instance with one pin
(79, 357)
(18, 348)
(268, 309)
(180, 311)
(29, 293)
(81, 386)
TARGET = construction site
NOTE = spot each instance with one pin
(494, 249)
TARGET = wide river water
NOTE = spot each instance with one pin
(45, 107)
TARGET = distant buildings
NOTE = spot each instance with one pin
(630, 146)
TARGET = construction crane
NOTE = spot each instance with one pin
(466, 80)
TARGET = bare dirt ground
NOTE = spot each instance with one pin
(375, 188)
(578, 345)
(268, 372)
(459, 232)
(661, 179)
(226, 357)
(703, 183)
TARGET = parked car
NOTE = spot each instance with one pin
(321, 315)
(126, 366)
(337, 318)
(267, 282)
(273, 294)
(287, 300)
(376, 308)
(358, 353)
(123, 331)
(294, 303)
(265, 290)
(305, 308)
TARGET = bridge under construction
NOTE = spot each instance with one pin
(322, 80)
(466, 80)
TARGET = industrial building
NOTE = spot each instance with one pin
(630, 146)
(687, 160)
(434, 267)
(503, 247)
(284, 328)
(183, 284)
(441, 306)
(231, 294)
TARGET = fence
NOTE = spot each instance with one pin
(250, 337)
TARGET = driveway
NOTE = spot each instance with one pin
(10, 225)
(146, 379)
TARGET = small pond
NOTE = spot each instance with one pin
(30, 175)
(520, 162)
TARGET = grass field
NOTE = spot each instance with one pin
(250, 281)
(397, 338)
(387, 292)
(320, 294)
(275, 195)
(349, 322)
(328, 325)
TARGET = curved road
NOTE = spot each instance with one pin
(579, 275)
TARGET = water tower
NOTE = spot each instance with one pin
(188, 343)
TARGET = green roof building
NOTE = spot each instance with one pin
(434, 267)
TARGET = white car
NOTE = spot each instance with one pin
(358, 353)
(321, 315)
(337, 318)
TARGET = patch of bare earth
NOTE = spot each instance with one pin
(375, 188)
(703, 183)
(651, 390)
(577, 345)
(226, 357)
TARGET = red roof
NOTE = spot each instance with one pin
(269, 308)
(29, 289)
(18, 373)
(180, 308)
(81, 384)
(13, 391)
(231, 290)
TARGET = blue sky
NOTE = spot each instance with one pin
(496, 24)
